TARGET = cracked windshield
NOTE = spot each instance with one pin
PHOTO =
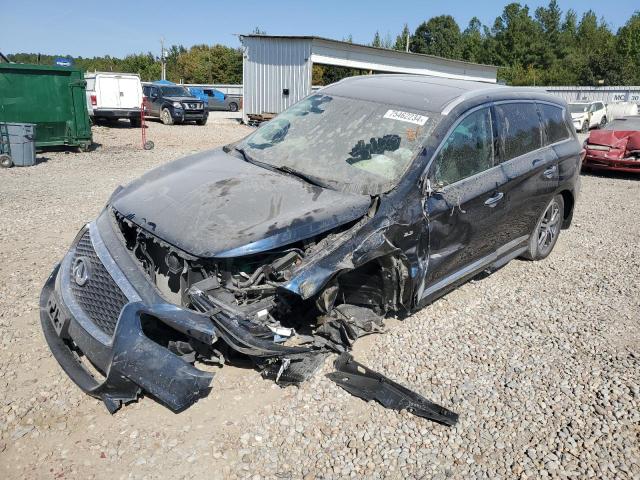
(342, 143)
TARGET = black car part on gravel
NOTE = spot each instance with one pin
(363, 382)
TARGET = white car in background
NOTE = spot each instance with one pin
(586, 115)
(111, 96)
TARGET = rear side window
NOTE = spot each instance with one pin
(518, 129)
(554, 123)
(467, 151)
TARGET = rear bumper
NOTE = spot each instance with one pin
(116, 113)
(126, 362)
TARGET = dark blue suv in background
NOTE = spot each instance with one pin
(174, 104)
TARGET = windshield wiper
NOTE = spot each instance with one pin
(274, 168)
(248, 157)
(300, 175)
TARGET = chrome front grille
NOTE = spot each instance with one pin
(99, 297)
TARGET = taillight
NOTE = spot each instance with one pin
(94, 101)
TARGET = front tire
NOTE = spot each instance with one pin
(585, 126)
(202, 121)
(233, 107)
(135, 122)
(603, 122)
(165, 116)
(547, 231)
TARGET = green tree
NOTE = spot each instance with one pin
(377, 42)
(628, 49)
(401, 40)
(438, 36)
(472, 41)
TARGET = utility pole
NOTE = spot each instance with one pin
(163, 74)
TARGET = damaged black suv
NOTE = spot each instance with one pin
(373, 196)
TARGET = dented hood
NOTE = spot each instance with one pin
(217, 205)
(620, 139)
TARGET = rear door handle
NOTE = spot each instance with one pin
(493, 201)
(550, 172)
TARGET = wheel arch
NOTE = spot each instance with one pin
(569, 202)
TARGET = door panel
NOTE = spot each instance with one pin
(107, 91)
(129, 93)
(465, 215)
(464, 227)
(531, 169)
(155, 102)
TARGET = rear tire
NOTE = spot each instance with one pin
(233, 107)
(135, 122)
(165, 116)
(547, 231)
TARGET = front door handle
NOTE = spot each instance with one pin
(550, 172)
(493, 201)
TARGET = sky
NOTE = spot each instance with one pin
(116, 27)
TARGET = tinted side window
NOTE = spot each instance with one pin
(468, 149)
(554, 123)
(518, 128)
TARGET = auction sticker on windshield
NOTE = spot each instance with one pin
(406, 117)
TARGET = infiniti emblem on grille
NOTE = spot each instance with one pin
(80, 270)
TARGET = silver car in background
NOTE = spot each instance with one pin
(222, 101)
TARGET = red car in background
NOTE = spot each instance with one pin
(615, 147)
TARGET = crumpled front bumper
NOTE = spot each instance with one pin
(602, 160)
(126, 362)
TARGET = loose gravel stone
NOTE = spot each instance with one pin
(541, 359)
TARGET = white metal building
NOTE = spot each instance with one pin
(277, 69)
(608, 94)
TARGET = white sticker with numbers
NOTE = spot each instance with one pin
(406, 117)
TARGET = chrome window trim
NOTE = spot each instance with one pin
(490, 104)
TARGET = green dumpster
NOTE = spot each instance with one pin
(51, 97)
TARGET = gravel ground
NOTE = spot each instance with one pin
(541, 360)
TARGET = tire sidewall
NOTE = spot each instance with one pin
(532, 252)
(165, 116)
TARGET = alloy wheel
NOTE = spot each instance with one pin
(549, 228)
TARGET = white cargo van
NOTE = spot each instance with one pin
(114, 95)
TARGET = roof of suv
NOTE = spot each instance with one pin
(433, 94)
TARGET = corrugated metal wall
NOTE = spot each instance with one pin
(272, 65)
(603, 94)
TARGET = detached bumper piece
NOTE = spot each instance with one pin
(364, 383)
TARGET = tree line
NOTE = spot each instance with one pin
(543, 47)
(198, 64)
